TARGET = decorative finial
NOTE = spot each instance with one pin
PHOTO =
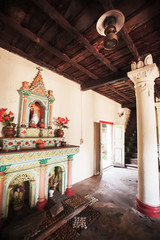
(39, 69)
(148, 60)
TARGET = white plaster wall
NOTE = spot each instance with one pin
(82, 108)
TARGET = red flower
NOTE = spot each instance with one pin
(59, 141)
(44, 141)
(1, 119)
(6, 118)
(50, 141)
(66, 120)
(55, 141)
(34, 142)
(4, 109)
(10, 143)
(10, 113)
(61, 122)
(26, 143)
(18, 143)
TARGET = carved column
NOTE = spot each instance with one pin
(25, 99)
(148, 174)
(158, 123)
(69, 190)
(51, 100)
(32, 193)
(63, 182)
(42, 200)
(50, 114)
(1, 191)
(2, 175)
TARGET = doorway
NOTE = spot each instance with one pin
(108, 146)
(106, 142)
(103, 146)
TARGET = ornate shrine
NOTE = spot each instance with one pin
(35, 113)
(28, 167)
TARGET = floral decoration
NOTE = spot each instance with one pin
(6, 117)
(61, 122)
(53, 182)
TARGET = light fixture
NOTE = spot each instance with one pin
(108, 25)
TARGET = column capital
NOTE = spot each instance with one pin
(143, 78)
(3, 168)
(25, 93)
(144, 74)
(51, 100)
(43, 161)
(70, 157)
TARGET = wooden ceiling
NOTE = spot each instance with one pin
(61, 36)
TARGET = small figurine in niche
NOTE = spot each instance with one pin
(34, 120)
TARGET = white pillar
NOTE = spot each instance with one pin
(148, 174)
(158, 123)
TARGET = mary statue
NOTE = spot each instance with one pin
(34, 119)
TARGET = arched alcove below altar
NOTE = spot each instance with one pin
(20, 193)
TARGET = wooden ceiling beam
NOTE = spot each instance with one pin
(128, 105)
(125, 36)
(25, 22)
(113, 89)
(110, 79)
(43, 28)
(33, 37)
(110, 97)
(58, 18)
(15, 50)
(124, 33)
(129, 83)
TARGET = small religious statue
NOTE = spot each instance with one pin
(34, 120)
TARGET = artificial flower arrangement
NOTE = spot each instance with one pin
(53, 182)
(7, 118)
(61, 122)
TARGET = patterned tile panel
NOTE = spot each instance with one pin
(35, 132)
(16, 157)
(28, 143)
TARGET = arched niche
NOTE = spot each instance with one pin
(26, 180)
(59, 171)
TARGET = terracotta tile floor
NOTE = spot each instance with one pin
(116, 191)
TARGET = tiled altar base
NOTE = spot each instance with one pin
(119, 220)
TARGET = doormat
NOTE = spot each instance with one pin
(74, 202)
(84, 219)
(65, 232)
(72, 229)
